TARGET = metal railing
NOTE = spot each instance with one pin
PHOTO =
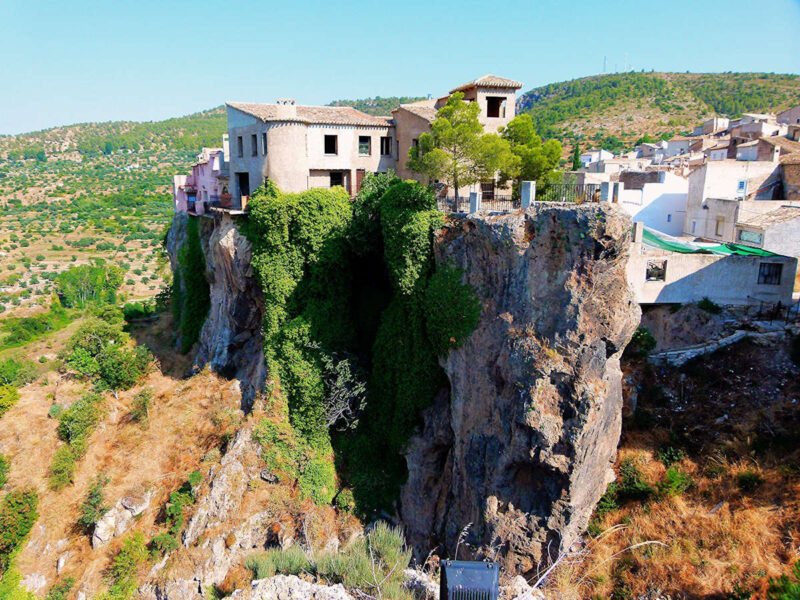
(568, 192)
(496, 204)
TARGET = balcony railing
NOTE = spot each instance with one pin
(568, 192)
(497, 203)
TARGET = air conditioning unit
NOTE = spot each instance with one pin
(469, 580)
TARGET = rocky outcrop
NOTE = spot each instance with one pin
(120, 518)
(519, 452)
(230, 341)
(291, 587)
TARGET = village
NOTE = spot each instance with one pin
(716, 213)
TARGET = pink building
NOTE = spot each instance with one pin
(207, 185)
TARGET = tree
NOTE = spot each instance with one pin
(457, 151)
(576, 157)
(536, 161)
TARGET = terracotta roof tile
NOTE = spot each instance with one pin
(322, 115)
(779, 215)
(489, 81)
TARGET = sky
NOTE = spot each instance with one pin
(71, 61)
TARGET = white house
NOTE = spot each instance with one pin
(593, 156)
(656, 198)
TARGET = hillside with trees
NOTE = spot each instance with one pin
(378, 105)
(615, 110)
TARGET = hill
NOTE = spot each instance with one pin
(615, 110)
(377, 106)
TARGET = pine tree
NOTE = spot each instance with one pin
(576, 157)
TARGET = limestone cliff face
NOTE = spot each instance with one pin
(230, 341)
(522, 446)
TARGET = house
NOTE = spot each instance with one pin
(654, 152)
(790, 116)
(678, 145)
(712, 126)
(790, 170)
(595, 155)
(716, 188)
(794, 133)
(302, 147)
(655, 198)
(662, 269)
(495, 95)
(777, 230)
(207, 185)
(718, 151)
(767, 149)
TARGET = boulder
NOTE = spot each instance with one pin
(120, 518)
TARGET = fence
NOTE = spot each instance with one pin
(769, 311)
(496, 204)
(568, 192)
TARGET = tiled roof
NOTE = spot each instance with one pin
(779, 215)
(424, 109)
(492, 81)
(791, 159)
(785, 144)
(327, 115)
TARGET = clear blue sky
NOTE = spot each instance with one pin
(70, 61)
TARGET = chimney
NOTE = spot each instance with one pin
(286, 108)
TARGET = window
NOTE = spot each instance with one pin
(332, 145)
(669, 218)
(751, 237)
(495, 107)
(386, 146)
(415, 143)
(720, 225)
(264, 142)
(364, 145)
(337, 177)
(694, 227)
(254, 145)
(487, 190)
(769, 274)
(239, 147)
(656, 270)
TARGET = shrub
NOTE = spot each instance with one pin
(93, 508)
(18, 513)
(16, 372)
(62, 468)
(122, 368)
(8, 398)
(709, 306)
(642, 342)
(318, 480)
(373, 564)
(93, 336)
(674, 483)
(141, 405)
(748, 481)
(631, 486)
(60, 591)
(292, 561)
(669, 455)
(163, 543)
(125, 567)
(452, 309)
(785, 587)
(80, 419)
(4, 468)
(138, 310)
(55, 411)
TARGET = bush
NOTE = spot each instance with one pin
(18, 513)
(452, 309)
(8, 398)
(163, 543)
(133, 311)
(642, 343)
(785, 587)
(122, 368)
(140, 409)
(16, 372)
(709, 306)
(631, 486)
(124, 571)
(4, 468)
(62, 468)
(80, 419)
(93, 508)
(669, 455)
(373, 564)
(60, 591)
(318, 480)
(748, 481)
(292, 561)
(674, 483)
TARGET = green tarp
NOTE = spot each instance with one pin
(652, 238)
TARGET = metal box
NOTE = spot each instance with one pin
(469, 580)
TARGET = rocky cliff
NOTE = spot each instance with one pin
(521, 449)
(230, 340)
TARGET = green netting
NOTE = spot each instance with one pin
(651, 238)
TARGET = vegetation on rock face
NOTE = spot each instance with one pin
(124, 571)
(348, 289)
(75, 426)
(18, 513)
(191, 300)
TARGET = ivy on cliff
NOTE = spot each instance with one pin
(191, 300)
(354, 279)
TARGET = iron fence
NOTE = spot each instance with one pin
(496, 204)
(569, 192)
